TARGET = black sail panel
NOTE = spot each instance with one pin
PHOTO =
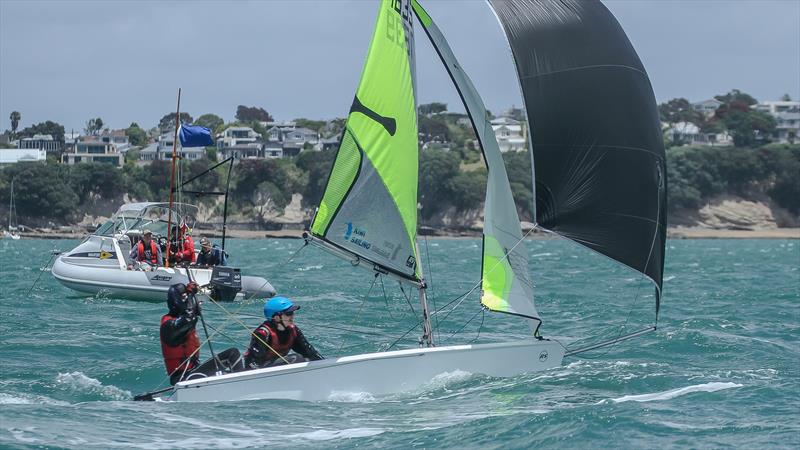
(597, 148)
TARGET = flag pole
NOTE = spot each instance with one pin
(172, 177)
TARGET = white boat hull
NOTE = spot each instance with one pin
(372, 373)
(95, 277)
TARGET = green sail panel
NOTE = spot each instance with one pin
(506, 285)
(369, 207)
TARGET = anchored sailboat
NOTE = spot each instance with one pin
(368, 216)
(12, 232)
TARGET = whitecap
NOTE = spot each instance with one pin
(307, 268)
(667, 395)
(669, 278)
(541, 254)
(326, 435)
(19, 434)
(351, 397)
(79, 382)
(8, 399)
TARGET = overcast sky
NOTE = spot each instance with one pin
(68, 61)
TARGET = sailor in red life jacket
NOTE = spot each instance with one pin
(180, 344)
(182, 248)
(147, 250)
(271, 341)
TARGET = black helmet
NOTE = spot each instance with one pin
(175, 301)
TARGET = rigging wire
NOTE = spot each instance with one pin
(482, 310)
(54, 253)
(386, 301)
(361, 307)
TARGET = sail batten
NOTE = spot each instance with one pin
(598, 160)
(369, 207)
(505, 281)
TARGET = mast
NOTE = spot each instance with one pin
(427, 329)
(11, 205)
(172, 177)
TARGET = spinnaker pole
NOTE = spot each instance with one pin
(172, 177)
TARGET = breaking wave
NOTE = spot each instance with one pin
(667, 395)
(78, 382)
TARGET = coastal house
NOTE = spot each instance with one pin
(787, 119)
(15, 155)
(40, 142)
(687, 133)
(117, 137)
(331, 143)
(162, 150)
(301, 135)
(273, 150)
(292, 148)
(707, 107)
(510, 134)
(239, 143)
(92, 149)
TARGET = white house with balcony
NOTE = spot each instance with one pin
(510, 134)
(94, 150)
(787, 118)
(687, 133)
(15, 155)
(40, 142)
(117, 137)
(239, 143)
(162, 150)
(707, 107)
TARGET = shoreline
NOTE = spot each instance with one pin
(672, 233)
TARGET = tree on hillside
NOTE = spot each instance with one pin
(41, 191)
(252, 172)
(679, 110)
(136, 135)
(93, 126)
(96, 179)
(737, 96)
(747, 126)
(318, 167)
(786, 98)
(249, 114)
(316, 125)
(428, 109)
(433, 128)
(436, 169)
(15, 118)
(168, 121)
(54, 129)
(210, 121)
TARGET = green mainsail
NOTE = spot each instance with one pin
(369, 207)
(506, 285)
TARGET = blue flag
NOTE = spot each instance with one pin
(195, 136)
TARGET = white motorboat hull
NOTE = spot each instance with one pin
(372, 373)
(96, 277)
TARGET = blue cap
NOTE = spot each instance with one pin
(277, 305)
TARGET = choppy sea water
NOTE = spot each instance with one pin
(723, 370)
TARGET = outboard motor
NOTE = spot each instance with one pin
(226, 282)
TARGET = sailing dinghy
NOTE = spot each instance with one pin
(368, 213)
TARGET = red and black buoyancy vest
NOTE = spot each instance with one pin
(281, 347)
(175, 358)
(152, 257)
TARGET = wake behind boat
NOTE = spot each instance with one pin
(102, 263)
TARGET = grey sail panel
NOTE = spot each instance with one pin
(596, 143)
(506, 284)
(368, 224)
